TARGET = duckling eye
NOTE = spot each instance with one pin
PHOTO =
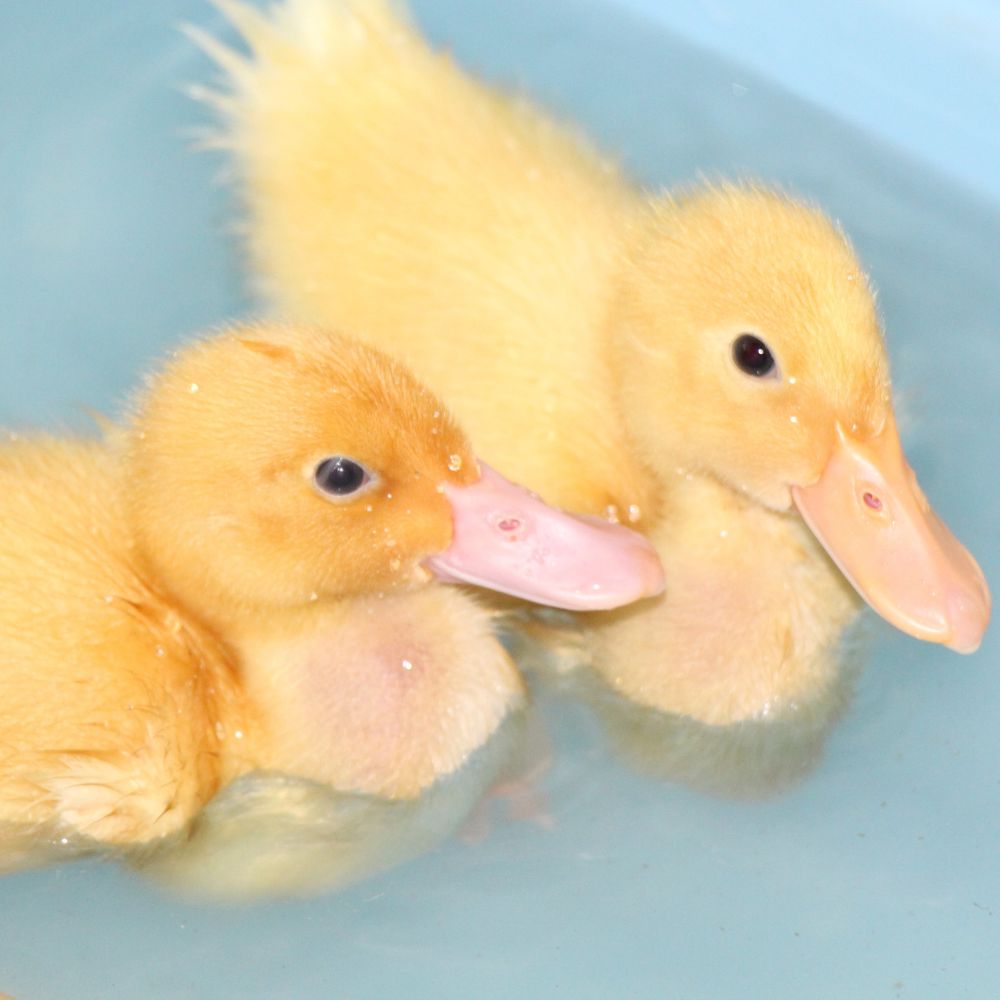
(753, 356)
(340, 476)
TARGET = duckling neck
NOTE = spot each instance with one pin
(641, 368)
(650, 343)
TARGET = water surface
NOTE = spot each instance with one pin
(876, 877)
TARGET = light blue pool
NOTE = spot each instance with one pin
(876, 877)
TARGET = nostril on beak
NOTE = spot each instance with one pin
(872, 500)
(510, 525)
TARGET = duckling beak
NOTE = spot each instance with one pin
(507, 539)
(871, 516)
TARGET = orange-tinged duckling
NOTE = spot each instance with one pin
(238, 580)
(708, 366)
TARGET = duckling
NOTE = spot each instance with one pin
(706, 365)
(240, 579)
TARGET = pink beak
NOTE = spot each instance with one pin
(875, 522)
(508, 540)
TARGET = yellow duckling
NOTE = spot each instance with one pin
(709, 367)
(237, 580)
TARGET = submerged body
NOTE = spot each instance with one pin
(592, 340)
(239, 579)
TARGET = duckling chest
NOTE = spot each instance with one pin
(381, 695)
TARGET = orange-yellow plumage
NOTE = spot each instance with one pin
(181, 604)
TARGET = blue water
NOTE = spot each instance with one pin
(874, 877)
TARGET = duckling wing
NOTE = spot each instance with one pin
(107, 729)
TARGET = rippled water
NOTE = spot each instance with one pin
(875, 876)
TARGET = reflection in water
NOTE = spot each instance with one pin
(279, 835)
(270, 835)
(275, 835)
(35, 846)
(747, 759)
(750, 759)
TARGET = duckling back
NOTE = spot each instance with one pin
(392, 195)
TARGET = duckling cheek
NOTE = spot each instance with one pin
(870, 515)
(506, 539)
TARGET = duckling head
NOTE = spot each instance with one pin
(750, 350)
(274, 467)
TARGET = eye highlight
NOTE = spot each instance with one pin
(752, 356)
(340, 477)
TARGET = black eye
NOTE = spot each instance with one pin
(752, 355)
(340, 476)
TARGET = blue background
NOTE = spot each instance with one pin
(877, 876)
